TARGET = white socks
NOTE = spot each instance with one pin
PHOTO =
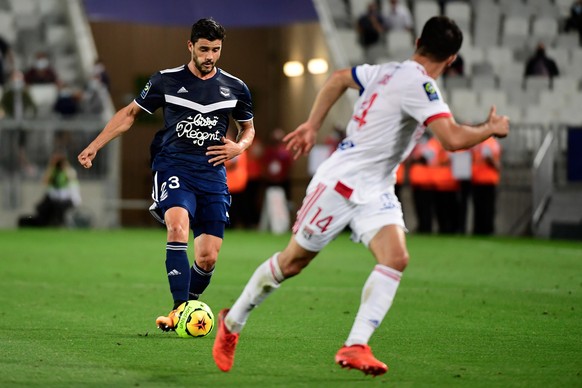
(377, 296)
(265, 280)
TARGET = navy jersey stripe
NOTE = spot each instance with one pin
(199, 107)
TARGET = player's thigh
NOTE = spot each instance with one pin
(389, 247)
(323, 215)
(206, 249)
(177, 223)
(211, 215)
(171, 190)
(381, 209)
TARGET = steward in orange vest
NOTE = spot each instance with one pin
(485, 179)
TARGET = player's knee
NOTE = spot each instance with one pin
(177, 231)
(294, 265)
(207, 260)
(399, 261)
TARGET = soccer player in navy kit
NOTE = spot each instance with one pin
(188, 155)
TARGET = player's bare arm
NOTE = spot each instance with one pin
(302, 139)
(454, 136)
(230, 149)
(119, 123)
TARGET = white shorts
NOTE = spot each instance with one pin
(326, 212)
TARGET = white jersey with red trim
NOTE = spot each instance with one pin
(396, 101)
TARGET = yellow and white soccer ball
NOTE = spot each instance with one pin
(194, 319)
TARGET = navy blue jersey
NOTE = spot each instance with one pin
(196, 115)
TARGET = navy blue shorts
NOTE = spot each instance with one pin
(208, 213)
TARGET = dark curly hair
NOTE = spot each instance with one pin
(440, 38)
(207, 28)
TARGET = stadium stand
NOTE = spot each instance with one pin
(500, 36)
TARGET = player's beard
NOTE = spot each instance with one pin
(201, 68)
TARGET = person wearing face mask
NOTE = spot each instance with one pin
(41, 72)
(16, 101)
(539, 64)
(17, 104)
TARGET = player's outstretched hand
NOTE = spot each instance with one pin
(301, 140)
(221, 153)
(86, 157)
(500, 124)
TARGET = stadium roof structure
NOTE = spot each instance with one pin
(230, 13)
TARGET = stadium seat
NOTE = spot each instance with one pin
(515, 31)
(544, 29)
(44, 97)
(7, 27)
(459, 82)
(514, 113)
(543, 7)
(460, 12)
(563, 7)
(515, 8)
(567, 40)
(359, 7)
(487, 25)
(483, 82)
(348, 39)
(561, 55)
(24, 7)
(566, 85)
(535, 84)
(399, 40)
(422, 11)
(463, 99)
(500, 58)
(482, 68)
(537, 114)
(489, 97)
(521, 98)
(471, 54)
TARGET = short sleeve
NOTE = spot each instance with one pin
(152, 95)
(423, 101)
(243, 111)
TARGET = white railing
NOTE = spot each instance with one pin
(543, 178)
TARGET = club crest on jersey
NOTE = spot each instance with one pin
(224, 91)
(307, 233)
(146, 89)
(430, 91)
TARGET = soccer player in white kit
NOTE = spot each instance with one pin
(355, 186)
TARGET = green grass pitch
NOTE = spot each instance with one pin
(78, 309)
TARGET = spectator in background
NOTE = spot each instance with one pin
(539, 64)
(421, 183)
(62, 194)
(16, 100)
(6, 60)
(485, 179)
(41, 71)
(446, 190)
(457, 68)
(68, 101)
(371, 28)
(253, 194)
(100, 73)
(17, 104)
(277, 162)
(92, 99)
(397, 16)
(236, 179)
(574, 21)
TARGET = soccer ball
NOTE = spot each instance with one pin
(195, 319)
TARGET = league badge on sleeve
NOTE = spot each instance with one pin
(146, 89)
(430, 91)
